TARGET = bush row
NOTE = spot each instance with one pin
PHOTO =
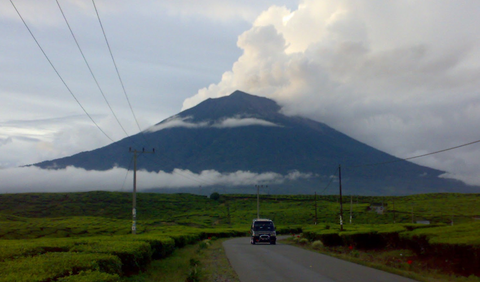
(52, 266)
(362, 236)
(101, 258)
(458, 245)
(33, 228)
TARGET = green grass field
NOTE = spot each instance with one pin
(90, 233)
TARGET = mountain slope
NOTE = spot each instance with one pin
(249, 133)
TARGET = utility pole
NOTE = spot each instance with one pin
(351, 207)
(316, 218)
(258, 199)
(393, 202)
(228, 211)
(341, 200)
(134, 197)
(413, 215)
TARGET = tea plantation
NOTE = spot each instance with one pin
(87, 236)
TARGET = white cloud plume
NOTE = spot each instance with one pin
(35, 140)
(74, 179)
(238, 122)
(224, 123)
(401, 86)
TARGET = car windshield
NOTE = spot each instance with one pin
(260, 226)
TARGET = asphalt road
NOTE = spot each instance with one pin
(264, 262)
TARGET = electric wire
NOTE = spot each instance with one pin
(118, 73)
(198, 180)
(130, 105)
(58, 74)
(115, 64)
(332, 176)
(128, 100)
(90, 69)
(126, 95)
(418, 156)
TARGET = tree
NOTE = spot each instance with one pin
(215, 196)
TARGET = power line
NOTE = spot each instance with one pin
(332, 176)
(444, 150)
(115, 64)
(198, 180)
(58, 74)
(90, 69)
(418, 156)
(126, 95)
(128, 100)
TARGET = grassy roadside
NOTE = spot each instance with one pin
(206, 262)
(43, 220)
(400, 262)
(203, 262)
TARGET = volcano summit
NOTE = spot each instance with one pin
(243, 132)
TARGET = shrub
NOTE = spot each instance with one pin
(363, 239)
(161, 245)
(331, 239)
(91, 276)
(135, 255)
(215, 196)
(51, 266)
(181, 240)
(203, 245)
(317, 244)
(303, 241)
(11, 249)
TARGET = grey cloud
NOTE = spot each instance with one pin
(5, 141)
(238, 122)
(402, 88)
(74, 179)
(28, 139)
(225, 123)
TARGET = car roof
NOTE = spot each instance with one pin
(262, 219)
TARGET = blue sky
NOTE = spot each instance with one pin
(401, 76)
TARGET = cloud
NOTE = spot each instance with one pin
(238, 122)
(74, 179)
(35, 140)
(220, 10)
(176, 121)
(5, 141)
(401, 86)
(225, 123)
(152, 48)
(216, 10)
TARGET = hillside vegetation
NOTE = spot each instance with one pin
(305, 146)
(88, 235)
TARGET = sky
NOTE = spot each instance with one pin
(402, 76)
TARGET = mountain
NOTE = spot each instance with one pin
(243, 132)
